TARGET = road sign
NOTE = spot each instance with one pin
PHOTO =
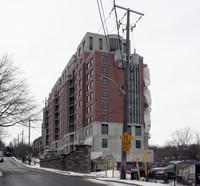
(125, 137)
(126, 146)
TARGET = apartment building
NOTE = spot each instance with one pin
(85, 106)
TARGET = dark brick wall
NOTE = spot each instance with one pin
(76, 161)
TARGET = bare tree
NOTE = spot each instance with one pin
(182, 137)
(16, 104)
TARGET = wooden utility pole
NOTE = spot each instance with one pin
(126, 88)
(29, 140)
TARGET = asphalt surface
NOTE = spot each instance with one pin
(15, 174)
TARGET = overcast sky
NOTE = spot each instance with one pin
(42, 35)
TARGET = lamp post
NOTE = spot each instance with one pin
(102, 76)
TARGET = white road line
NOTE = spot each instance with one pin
(1, 173)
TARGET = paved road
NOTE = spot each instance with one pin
(15, 174)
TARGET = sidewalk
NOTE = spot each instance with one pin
(98, 177)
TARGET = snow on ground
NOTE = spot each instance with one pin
(97, 177)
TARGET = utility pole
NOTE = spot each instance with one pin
(126, 88)
(29, 137)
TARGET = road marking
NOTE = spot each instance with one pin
(1, 174)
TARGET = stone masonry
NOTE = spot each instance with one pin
(76, 161)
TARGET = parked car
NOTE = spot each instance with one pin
(1, 158)
(163, 173)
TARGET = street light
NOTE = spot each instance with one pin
(102, 76)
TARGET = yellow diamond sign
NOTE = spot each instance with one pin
(125, 137)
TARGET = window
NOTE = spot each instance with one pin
(88, 76)
(88, 121)
(91, 84)
(105, 105)
(80, 103)
(79, 52)
(138, 144)
(75, 116)
(90, 131)
(76, 106)
(104, 143)
(104, 70)
(129, 130)
(91, 61)
(88, 65)
(91, 73)
(91, 119)
(104, 129)
(115, 44)
(86, 132)
(88, 87)
(104, 58)
(91, 107)
(83, 45)
(91, 96)
(104, 82)
(138, 131)
(104, 93)
(90, 43)
(88, 99)
(100, 44)
(88, 110)
(104, 117)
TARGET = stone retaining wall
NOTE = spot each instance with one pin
(76, 161)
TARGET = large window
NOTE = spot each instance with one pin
(104, 58)
(90, 43)
(104, 82)
(104, 93)
(104, 129)
(104, 143)
(104, 117)
(138, 144)
(100, 44)
(105, 105)
(104, 70)
(115, 44)
(138, 131)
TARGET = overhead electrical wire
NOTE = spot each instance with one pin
(107, 38)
